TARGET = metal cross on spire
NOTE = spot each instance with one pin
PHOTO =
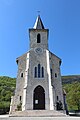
(38, 24)
(38, 12)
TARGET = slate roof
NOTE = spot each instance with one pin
(38, 24)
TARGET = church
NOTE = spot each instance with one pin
(38, 83)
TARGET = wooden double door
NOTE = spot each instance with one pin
(39, 98)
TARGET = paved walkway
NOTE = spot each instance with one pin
(6, 117)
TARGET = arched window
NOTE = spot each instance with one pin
(57, 98)
(56, 75)
(38, 38)
(51, 73)
(38, 70)
(35, 72)
(21, 74)
(20, 98)
(42, 72)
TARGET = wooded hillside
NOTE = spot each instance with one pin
(71, 84)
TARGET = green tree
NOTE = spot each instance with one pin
(7, 87)
(73, 95)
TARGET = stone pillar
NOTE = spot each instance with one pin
(25, 83)
(49, 81)
(11, 105)
(24, 100)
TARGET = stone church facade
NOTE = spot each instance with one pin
(38, 83)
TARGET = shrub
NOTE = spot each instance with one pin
(19, 106)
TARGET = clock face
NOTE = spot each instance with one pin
(38, 50)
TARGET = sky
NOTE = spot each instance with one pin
(61, 17)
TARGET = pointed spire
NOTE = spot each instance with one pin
(38, 24)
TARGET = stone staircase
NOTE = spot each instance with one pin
(38, 113)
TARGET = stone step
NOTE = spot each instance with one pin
(38, 113)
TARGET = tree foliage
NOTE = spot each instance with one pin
(7, 87)
(73, 95)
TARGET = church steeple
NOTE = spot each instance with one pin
(38, 35)
(38, 24)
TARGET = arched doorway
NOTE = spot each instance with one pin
(39, 98)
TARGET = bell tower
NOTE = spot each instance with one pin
(38, 35)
